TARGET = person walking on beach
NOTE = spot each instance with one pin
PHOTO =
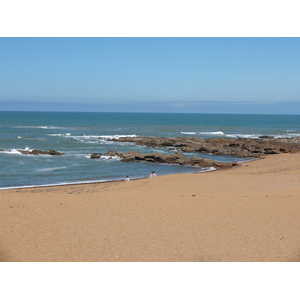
(153, 174)
(127, 179)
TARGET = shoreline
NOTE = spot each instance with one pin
(96, 182)
(245, 213)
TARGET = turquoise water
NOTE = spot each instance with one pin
(80, 134)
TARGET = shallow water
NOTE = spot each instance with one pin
(80, 134)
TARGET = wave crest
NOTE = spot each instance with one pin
(205, 133)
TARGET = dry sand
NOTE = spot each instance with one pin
(248, 213)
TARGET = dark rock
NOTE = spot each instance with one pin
(36, 152)
(128, 157)
(53, 152)
(188, 149)
(39, 152)
(241, 147)
(203, 162)
(221, 165)
(176, 158)
(95, 155)
(149, 159)
(203, 149)
(157, 157)
(111, 153)
(255, 151)
(270, 151)
(137, 155)
(234, 145)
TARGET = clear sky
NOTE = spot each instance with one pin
(151, 74)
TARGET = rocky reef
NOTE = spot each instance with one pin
(156, 157)
(37, 152)
(241, 147)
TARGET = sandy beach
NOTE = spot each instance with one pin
(247, 213)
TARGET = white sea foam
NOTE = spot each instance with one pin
(103, 139)
(209, 169)
(213, 133)
(63, 183)
(40, 127)
(186, 132)
(108, 137)
(79, 155)
(110, 157)
(59, 134)
(205, 133)
(11, 151)
(245, 136)
(49, 169)
(31, 138)
(241, 135)
(15, 151)
(48, 127)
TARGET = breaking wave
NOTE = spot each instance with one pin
(39, 127)
(49, 169)
(205, 133)
(92, 139)
(110, 157)
(15, 151)
(288, 134)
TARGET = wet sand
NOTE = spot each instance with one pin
(248, 213)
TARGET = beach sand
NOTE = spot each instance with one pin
(247, 213)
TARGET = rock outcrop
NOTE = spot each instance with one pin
(96, 155)
(176, 158)
(38, 152)
(241, 147)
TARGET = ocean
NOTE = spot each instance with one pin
(80, 134)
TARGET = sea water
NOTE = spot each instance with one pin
(80, 134)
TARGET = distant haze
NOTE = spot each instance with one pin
(172, 107)
(211, 75)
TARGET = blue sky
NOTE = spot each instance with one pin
(151, 74)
